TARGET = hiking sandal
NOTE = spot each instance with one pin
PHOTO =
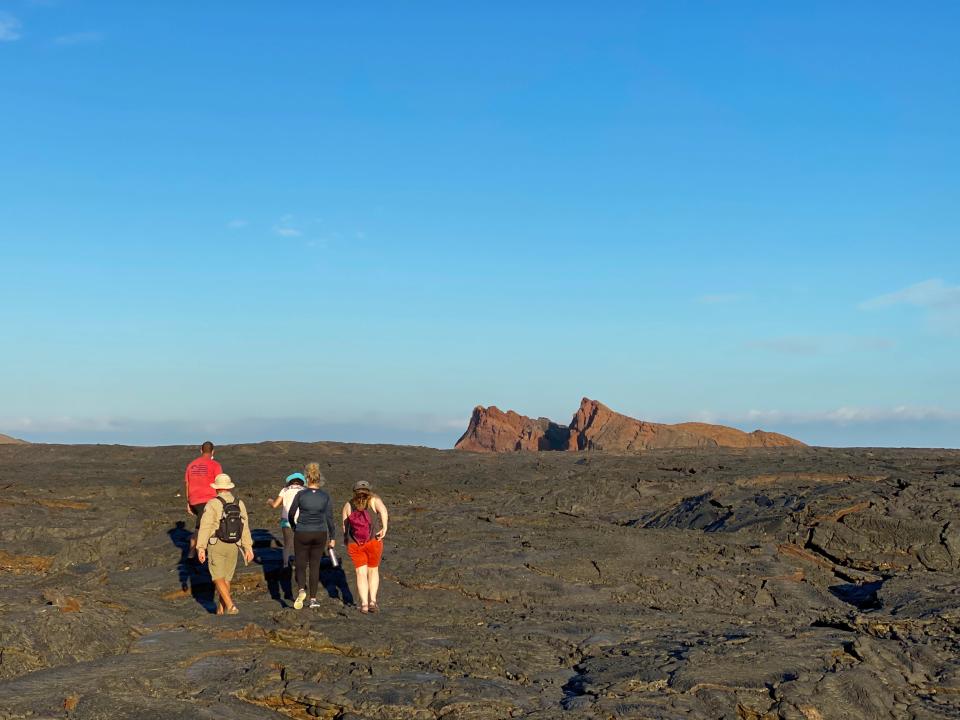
(233, 610)
(364, 609)
(374, 608)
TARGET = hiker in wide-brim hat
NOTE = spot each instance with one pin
(365, 519)
(224, 534)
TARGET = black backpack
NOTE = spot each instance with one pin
(231, 522)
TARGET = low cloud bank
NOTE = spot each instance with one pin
(427, 432)
(901, 426)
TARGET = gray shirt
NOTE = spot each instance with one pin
(312, 511)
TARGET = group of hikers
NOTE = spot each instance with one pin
(222, 532)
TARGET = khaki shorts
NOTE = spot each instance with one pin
(222, 560)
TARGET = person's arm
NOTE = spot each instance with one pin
(246, 539)
(380, 508)
(276, 502)
(186, 489)
(208, 526)
(294, 511)
(343, 517)
(328, 516)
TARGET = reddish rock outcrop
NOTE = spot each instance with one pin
(597, 427)
(7, 440)
(731, 437)
(492, 430)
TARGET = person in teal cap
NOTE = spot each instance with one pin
(292, 486)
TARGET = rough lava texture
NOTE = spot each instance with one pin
(703, 584)
(596, 427)
(7, 440)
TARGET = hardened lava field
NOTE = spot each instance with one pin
(793, 583)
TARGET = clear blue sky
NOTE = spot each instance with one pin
(356, 221)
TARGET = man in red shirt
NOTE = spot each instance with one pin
(197, 483)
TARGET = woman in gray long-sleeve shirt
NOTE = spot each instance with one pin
(311, 516)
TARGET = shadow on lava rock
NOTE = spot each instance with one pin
(193, 575)
(334, 581)
(269, 554)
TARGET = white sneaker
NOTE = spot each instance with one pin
(314, 603)
(298, 603)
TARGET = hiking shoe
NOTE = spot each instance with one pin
(298, 603)
(314, 604)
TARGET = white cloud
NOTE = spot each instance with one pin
(933, 294)
(60, 424)
(938, 300)
(423, 429)
(9, 28)
(286, 227)
(843, 415)
(78, 38)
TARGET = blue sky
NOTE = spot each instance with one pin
(317, 220)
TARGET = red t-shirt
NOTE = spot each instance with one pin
(200, 474)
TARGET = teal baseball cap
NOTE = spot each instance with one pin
(295, 476)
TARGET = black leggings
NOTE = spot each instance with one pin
(309, 548)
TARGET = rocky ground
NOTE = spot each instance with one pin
(792, 583)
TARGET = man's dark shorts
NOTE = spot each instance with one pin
(198, 511)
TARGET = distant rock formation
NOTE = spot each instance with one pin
(492, 430)
(596, 427)
(7, 440)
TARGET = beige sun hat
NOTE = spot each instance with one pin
(222, 482)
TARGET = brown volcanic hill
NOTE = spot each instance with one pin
(731, 437)
(597, 427)
(492, 430)
(7, 440)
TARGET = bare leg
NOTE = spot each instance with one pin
(223, 593)
(363, 589)
(373, 580)
(193, 547)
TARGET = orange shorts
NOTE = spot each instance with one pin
(368, 554)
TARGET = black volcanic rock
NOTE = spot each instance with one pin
(787, 583)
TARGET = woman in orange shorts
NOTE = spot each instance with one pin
(365, 520)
